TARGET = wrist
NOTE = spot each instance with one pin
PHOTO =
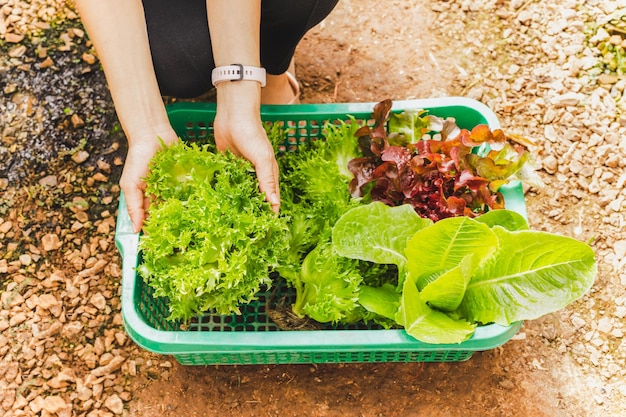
(152, 135)
(239, 97)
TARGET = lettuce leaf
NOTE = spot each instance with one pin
(446, 292)
(383, 301)
(532, 274)
(441, 247)
(508, 219)
(211, 238)
(426, 324)
(327, 288)
(377, 233)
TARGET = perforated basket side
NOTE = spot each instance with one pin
(286, 357)
(253, 337)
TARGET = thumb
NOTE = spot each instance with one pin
(267, 174)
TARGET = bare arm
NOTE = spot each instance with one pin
(234, 27)
(118, 30)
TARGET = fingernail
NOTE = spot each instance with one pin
(274, 199)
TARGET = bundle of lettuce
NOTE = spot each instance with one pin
(400, 223)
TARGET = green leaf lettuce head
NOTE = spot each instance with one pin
(211, 238)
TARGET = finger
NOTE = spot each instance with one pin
(267, 174)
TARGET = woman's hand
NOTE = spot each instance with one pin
(238, 128)
(141, 149)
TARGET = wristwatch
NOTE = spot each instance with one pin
(237, 72)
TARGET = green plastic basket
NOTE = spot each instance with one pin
(252, 337)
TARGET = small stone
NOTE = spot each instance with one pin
(25, 259)
(48, 301)
(80, 156)
(88, 58)
(6, 227)
(109, 368)
(608, 79)
(114, 403)
(82, 216)
(104, 166)
(17, 319)
(54, 404)
(120, 338)
(550, 133)
(72, 329)
(84, 393)
(48, 181)
(13, 37)
(46, 63)
(17, 52)
(36, 405)
(50, 242)
(615, 40)
(605, 325)
(98, 301)
(100, 177)
(620, 249)
(550, 164)
(568, 99)
(77, 121)
(76, 226)
(104, 228)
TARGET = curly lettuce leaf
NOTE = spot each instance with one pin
(328, 286)
(211, 238)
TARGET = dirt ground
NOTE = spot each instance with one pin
(571, 363)
(363, 52)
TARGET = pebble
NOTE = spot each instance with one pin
(25, 259)
(77, 121)
(6, 226)
(46, 63)
(48, 181)
(88, 58)
(605, 325)
(550, 164)
(17, 319)
(53, 404)
(114, 404)
(80, 156)
(620, 249)
(50, 242)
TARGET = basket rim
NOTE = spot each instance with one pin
(298, 341)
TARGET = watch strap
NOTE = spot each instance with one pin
(238, 72)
